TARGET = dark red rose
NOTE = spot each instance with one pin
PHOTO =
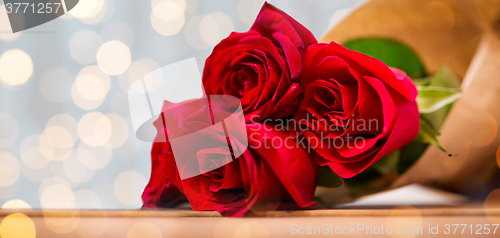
(160, 192)
(273, 173)
(355, 109)
(261, 66)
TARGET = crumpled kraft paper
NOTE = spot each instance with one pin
(465, 35)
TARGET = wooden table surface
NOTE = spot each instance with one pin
(362, 222)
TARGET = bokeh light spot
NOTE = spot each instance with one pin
(75, 171)
(86, 9)
(144, 229)
(87, 78)
(193, 34)
(140, 68)
(16, 204)
(182, 3)
(492, 205)
(487, 131)
(57, 196)
(119, 129)
(167, 18)
(37, 154)
(91, 87)
(17, 225)
(16, 67)
(66, 121)
(94, 129)
(101, 13)
(128, 187)
(9, 171)
(113, 57)
(214, 27)
(34, 158)
(59, 137)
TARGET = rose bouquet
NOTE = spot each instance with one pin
(314, 113)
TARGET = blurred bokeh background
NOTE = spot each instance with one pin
(66, 139)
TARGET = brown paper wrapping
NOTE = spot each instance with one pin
(465, 36)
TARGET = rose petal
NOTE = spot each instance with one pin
(364, 63)
(406, 128)
(291, 162)
(272, 19)
(159, 191)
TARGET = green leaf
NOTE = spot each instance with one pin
(442, 78)
(388, 163)
(391, 52)
(428, 135)
(432, 98)
(327, 178)
(410, 154)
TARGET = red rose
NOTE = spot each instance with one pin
(266, 176)
(160, 192)
(355, 109)
(261, 66)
